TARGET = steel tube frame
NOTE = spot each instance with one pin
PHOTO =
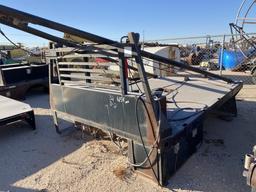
(134, 40)
(8, 15)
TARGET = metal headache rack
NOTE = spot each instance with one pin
(104, 84)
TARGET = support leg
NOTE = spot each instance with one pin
(56, 124)
(30, 119)
(229, 107)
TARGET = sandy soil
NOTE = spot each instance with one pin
(42, 160)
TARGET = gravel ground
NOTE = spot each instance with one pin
(41, 160)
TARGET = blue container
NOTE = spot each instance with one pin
(230, 59)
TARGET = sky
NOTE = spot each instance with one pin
(156, 19)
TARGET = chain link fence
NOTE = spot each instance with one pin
(225, 55)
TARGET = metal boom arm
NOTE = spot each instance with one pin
(20, 20)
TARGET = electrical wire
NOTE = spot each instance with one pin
(184, 108)
(18, 47)
(139, 98)
(148, 154)
(186, 117)
(154, 145)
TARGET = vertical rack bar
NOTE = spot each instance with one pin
(221, 55)
(134, 40)
(123, 73)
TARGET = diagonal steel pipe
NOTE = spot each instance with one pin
(20, 20)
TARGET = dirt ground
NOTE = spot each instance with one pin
(42, 160)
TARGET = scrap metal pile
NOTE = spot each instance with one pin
(161, 117)
(243, 44)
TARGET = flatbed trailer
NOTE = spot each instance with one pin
(13, 111)
(185, 106)
(162, 118)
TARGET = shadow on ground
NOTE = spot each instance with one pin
(218, 164)
(216, 167)
(24, 151)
